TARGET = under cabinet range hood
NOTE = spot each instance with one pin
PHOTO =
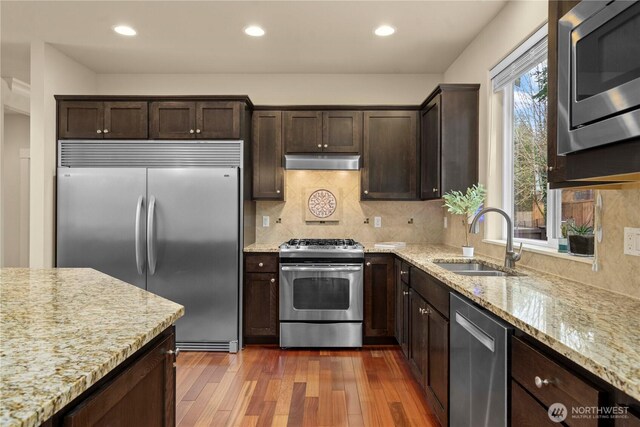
(321, 162)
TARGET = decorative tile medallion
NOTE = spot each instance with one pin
(322, 204)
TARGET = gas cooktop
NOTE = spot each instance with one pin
(323, 248)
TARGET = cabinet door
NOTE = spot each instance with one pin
(430, 151)
(302, 131)
(389, 155)
(80, 119)
(125, 120)
(218, 120)
(402, 310)
(418, 330)
(342, 131)
(438, 370)
(378, 296)
(261, 305)
(526, 411)
(142, 395)
(268, 174)
(173, 120)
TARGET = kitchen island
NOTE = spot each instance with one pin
(71, 337)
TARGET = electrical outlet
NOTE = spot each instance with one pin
(632, 241)
(265, 221)
(377, 221)
(445, 222)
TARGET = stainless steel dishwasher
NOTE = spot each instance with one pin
(479, 363)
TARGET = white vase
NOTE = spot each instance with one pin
(467, 251)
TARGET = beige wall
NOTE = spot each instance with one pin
(51, 73)
(15, 243)
(617, 272)
(427, 216)
(280, 89)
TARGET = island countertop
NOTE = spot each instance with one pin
(597, 329)
(62, 330)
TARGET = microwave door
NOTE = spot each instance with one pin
(605, 61)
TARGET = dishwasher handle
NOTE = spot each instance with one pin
(484, 338)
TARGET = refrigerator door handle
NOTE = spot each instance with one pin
(139, 242)
(151, 248)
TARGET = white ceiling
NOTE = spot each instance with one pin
(207, 37)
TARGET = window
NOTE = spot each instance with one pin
(538, 213)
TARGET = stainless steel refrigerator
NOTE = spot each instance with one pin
(161, 215)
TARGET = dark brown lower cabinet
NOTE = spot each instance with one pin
(142, 392)
(402, 309)
(526, 411)
(437, 379)
(379, 309)
(260, 312)
(418, 337)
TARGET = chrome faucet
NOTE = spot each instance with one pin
(510, 257)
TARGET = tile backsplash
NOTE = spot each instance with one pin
(396, 216)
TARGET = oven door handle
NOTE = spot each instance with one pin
(322, 268)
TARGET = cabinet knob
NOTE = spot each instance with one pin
(405, 293)
(260, 264)
(368, 264)
(326, 145)
(191, 131)
(366, 192)
(435, 190)
(278, 191)
(319, 145)
(176, 352)
(197, 130)
(540, 382)
(106, 131)
(273, 280)
(550, 168)
(403, 272)
(99, 131)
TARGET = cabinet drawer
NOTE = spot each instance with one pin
(404, 272)
(432, 290)
(526, 411)
(564, 386)
(261, 264)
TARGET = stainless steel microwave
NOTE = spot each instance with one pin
(598, 74)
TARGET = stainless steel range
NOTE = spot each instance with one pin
(321, 299)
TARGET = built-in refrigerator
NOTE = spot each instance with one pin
(161, 215)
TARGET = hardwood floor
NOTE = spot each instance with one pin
(267, 386)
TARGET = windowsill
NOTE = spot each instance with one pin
(543, 251)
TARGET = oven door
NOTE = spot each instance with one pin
(321, 292)
(598, 74)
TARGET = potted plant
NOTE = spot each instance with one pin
(465, 204)
(562, 241)
(581, 240)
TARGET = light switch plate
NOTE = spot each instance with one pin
(265, 221)
(377, 221)
(632, 241)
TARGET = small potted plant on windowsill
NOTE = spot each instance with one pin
(466, 205)
(581, 240)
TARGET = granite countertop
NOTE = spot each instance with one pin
(62, 330)
(597, 329)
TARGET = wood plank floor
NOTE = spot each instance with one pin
(267, 386)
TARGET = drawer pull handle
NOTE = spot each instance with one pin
(176, 351)
(260, 264)
(405, 293)
(540, 382)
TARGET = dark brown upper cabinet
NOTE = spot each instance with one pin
(195, 120)
(449, 140)
(302, 131)
(268, 173)
(389, 155)
(102, 120)
(342, 131)
(322, 131)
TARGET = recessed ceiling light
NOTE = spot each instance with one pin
(254, 31)
(125, 30)
(384, 30)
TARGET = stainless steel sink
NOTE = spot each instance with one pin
(473, 269)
